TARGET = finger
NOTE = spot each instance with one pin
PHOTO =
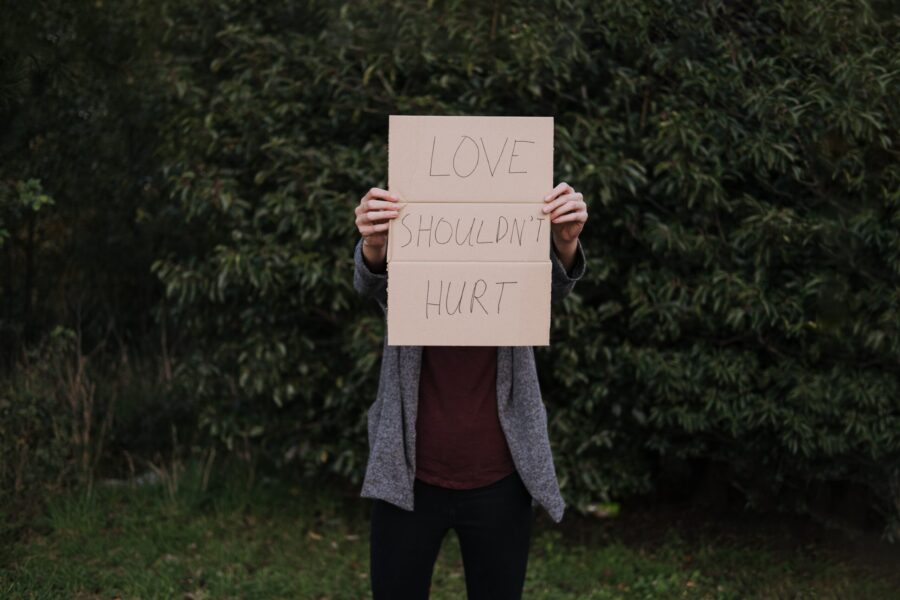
(562, 188)
(560, 201)
(378, 215)
(367, 205)
(370, 217)
(580, 216)
(383, 205)
(570, 206)
(381, 194)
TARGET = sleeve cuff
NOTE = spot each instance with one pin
(578, 267)
(362, 268)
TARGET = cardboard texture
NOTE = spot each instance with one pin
(463, 232)
(469, 303)
(469, 255)
(470, 159)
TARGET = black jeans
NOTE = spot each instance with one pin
(493, 524)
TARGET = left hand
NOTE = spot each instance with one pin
(568, 213)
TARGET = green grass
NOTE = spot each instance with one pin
(311, 541)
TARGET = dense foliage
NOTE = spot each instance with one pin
(740, 160)
(77, 119)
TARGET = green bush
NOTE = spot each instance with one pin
(50, 426)
(740, 162)
(69, 416)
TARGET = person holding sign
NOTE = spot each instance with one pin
(477, 469)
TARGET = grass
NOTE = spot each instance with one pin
(282, 540)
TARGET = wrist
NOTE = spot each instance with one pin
(565, 251)
(564, 246)
(374, 257)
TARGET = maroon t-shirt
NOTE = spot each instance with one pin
(459, 441)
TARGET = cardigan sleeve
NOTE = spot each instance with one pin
(563, 281)
(367, 282)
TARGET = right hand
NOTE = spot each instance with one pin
(373, 214)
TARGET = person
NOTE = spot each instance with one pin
(458, 435)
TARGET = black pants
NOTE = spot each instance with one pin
(493, 524)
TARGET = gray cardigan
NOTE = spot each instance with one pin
(391, 466)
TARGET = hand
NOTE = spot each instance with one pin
(373, 214)
(568, 213)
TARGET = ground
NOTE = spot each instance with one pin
(310, 540)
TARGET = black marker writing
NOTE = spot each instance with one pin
(408, 231)
(464, 169)
(458, 302)
(494, 168)
(513, 155)
(521, 230)
(505, 228)
(421, 229)
(428, 297)
(502, 285)
(468, 237)
(437, 228)
(476, 296)
(477, 157)
(431, 166)
(454, 303)
(478, 235)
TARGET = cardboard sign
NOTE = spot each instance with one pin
(470, 159)
(469, 255)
